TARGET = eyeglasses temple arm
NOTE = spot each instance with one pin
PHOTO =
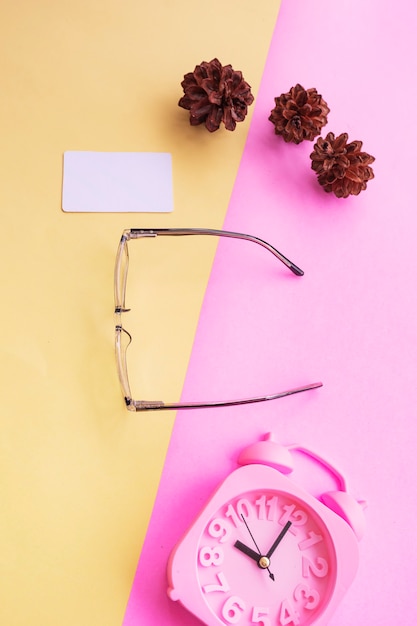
(156, 405)
(136, 233)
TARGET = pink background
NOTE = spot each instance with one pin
(350, 321)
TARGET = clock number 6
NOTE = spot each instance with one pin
(233, 609)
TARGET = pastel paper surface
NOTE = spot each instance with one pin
(79, 473)
(117, 182)
(350, 321)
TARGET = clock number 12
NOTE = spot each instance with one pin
(295, 516)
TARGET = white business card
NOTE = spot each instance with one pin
(117, 182)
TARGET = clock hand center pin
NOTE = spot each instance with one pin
(262, 560)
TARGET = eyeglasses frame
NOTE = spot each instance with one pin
(120, 308)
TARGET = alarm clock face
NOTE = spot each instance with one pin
(265, 557)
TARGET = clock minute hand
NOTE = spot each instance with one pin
(278, 540)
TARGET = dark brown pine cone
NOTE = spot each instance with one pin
(341, 167)
(213, 94)
(299, 114)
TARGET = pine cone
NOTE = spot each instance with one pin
(215, 94)
(299, 114)
(341, 167)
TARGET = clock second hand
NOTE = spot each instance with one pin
(263, 561)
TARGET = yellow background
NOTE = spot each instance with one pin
(78, 473)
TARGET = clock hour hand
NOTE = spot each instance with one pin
(278, 540)
(248, 551)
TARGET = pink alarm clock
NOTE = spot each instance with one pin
(264, 551)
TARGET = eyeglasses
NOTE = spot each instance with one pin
(123, 337)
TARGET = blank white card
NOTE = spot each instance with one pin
(117, 182)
